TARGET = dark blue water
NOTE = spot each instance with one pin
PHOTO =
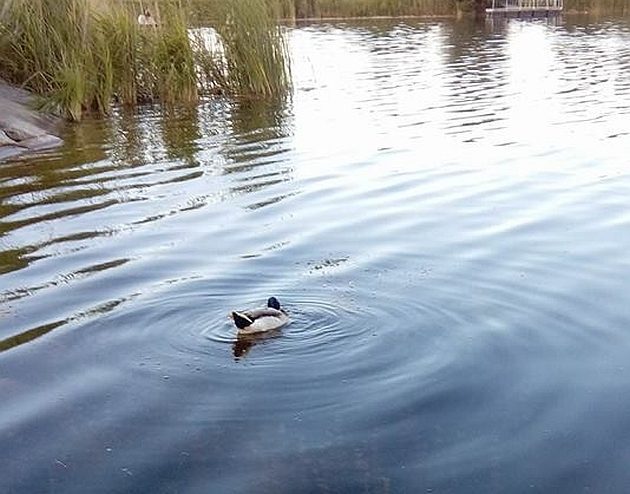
(441, 206)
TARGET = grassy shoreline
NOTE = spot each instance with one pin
(81, 56)
(350, 9)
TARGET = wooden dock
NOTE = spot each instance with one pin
(524, 7)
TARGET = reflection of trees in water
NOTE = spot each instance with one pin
(260, 132)
(258, 120)
(114, 162)
(12, 259)
(56, 178)
(476, 78)
(468, 52)
(31, 334)
(34, 333)
(466, 41)
(136, 137)
(99, 153)
(181, 133)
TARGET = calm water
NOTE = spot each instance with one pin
(441, 206)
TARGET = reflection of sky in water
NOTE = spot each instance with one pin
(515, 93)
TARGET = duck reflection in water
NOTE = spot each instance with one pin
(244, 342)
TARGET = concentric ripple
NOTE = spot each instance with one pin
(440, 206)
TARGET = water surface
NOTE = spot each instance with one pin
(442, 208)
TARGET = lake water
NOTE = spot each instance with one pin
(441, 206)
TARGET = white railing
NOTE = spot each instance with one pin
(527, 4)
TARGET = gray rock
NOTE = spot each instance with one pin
(10, 151)
(38, 143)
(22, 128)
(21, 131)
(5, 140)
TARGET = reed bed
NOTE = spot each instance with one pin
(82, 55)
(301, 9)
(205, 10)
(392, 8)
(616, 7)
(256, 53)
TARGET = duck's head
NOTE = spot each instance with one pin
(273, 303)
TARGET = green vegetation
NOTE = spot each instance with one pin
(364, 8)
(336, 8)
(599, 6)
(256, 54)
(81, 56)
(374, 8)
(304, 9)
(316, 9)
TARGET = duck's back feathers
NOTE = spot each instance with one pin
(241, 319)
(266, 323)
(260, 320)
(264, 312)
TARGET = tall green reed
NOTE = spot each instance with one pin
(80, 55)
(255, 48)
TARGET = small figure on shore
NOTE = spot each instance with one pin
(146, 19)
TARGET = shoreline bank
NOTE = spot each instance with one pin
(22, 129)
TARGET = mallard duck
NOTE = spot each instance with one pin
(261, 320)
